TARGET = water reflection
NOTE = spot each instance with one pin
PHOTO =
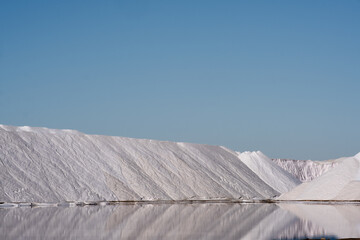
(181, 221)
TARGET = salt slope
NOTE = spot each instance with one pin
(340, 183)
(47, 165)
(279, 179)
(305, 170)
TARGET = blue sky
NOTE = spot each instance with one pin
(282, 77)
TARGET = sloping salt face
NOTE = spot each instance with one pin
(46, 165)
(340, 183)
(276, 177)
(305, 170)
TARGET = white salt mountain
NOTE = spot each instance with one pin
(305, 170)
(269, 172)
(340, 183)
(46, 165)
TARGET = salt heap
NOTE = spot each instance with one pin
(276, 177)
(46, 165)
(305, 170)
(340, 183)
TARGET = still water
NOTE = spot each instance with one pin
(182, 221)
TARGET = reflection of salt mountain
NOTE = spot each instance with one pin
(46, 165)
(163, 221)
(337, 220)
(340, 183)
(307, 170)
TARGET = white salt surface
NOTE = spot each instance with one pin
(305, 170)
(276, 177)
(47, 165)
(339, 183)
(51, 166)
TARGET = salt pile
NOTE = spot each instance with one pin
(340, 183)
(46, 165)
(305, 170)
(276, 177)
(51, 166)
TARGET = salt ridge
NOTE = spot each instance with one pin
(48, 165)
(282, 181)
(305, 170)
(339, 183)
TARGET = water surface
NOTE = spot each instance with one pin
(182, 221)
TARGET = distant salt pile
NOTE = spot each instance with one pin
(276, 177)
(305, 170)
(340, 183)
(47, 165)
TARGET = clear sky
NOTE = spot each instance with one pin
(282, 77)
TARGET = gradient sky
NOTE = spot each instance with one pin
(282, 77)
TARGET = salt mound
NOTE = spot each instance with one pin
(276, 177)
(305, 170)
(340, 183)
(46, 165)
